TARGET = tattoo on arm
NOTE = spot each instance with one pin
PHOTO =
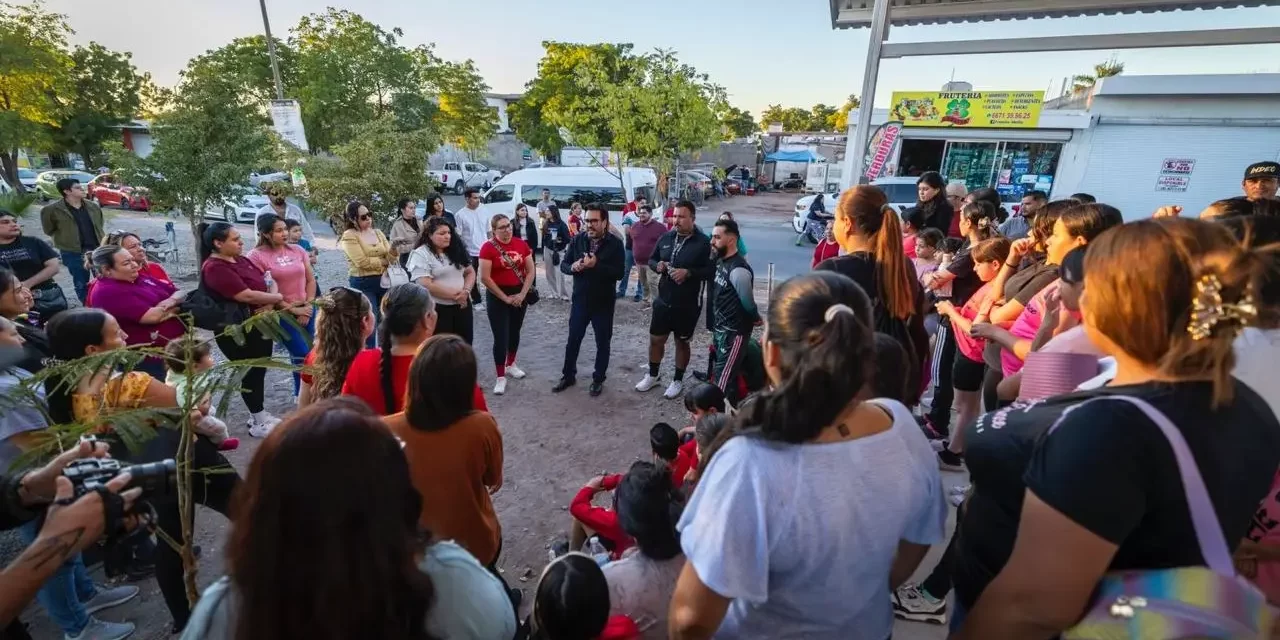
(54, 549)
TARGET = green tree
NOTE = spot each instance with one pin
(464, 118)
(34, 67)
(153, 99)
(245, 64)
(1084, 82)
(348, 71)
(378, 166)
(737, 123)
(568, 93)
(205, 147)
(792, 118)
(821, 117)
(102, 93)
(840, 121)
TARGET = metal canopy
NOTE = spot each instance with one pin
(856, 14)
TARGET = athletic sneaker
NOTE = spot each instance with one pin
(500, 387)
(948, 461)
(674, 390)
(960, 489)
(910, 602)
(648, 382)
(260, 427)
(106, 598)
(515, 372)
(102, 630)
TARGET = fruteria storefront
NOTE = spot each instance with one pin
(999, 139)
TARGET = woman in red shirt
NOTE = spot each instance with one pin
(380, 376)
(506, 271)
(827, 248)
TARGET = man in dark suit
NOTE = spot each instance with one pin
(595, 262)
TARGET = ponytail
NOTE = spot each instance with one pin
(384, 368)
(895, 279)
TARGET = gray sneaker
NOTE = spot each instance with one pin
(107, 598)
(102, 630)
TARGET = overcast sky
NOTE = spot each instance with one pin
(759, 51)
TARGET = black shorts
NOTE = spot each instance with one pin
(966, 374)
(682, 321)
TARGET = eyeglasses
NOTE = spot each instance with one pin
(502, 227)
(366, 217)
(594, 220)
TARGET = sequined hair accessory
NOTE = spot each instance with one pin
(1208, 310)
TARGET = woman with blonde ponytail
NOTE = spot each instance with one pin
(869, 232)
(1103, 489)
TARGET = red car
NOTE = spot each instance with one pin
(108, 191)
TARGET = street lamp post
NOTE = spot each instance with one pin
(271, 50)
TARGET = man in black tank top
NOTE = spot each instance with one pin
(736, 364)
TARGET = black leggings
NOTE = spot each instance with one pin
(939, 582)
(506, 322)
(990, 397)
(455, 319)
(944, 358)
(255, 346)
(212, 490)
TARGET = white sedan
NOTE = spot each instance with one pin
(243, 210)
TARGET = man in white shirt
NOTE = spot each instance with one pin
(283, 208)
(473, 228)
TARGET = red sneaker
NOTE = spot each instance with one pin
(230, 444)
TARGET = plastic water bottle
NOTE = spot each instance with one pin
(266, 277)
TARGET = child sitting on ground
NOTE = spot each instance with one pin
(208, 425)
(668, 452)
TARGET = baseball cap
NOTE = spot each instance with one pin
(1262, 170)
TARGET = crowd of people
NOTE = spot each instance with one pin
(1106, 385)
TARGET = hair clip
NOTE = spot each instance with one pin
(836, 309)
(1208, 310)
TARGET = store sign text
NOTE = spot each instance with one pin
(973, 110)
(1178, 166)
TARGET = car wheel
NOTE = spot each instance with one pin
(459, 187)
(229, 214)
(124, 203)
(797, 224)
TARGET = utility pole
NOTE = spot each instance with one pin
(271, 50)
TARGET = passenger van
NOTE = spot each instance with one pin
(583, 185)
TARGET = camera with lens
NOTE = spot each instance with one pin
(157, 479)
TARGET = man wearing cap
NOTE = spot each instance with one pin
(1261, 180)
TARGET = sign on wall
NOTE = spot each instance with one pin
(880, 149)
(1177, 166)
(968, 109)
(1173, 183)
(286, 119)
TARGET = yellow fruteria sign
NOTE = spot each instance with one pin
(968, 109)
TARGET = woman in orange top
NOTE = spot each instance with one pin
(454, 451)
(94, 398)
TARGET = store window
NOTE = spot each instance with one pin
(919, 156)
(1026, 166)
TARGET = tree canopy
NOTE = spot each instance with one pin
(820, 117)
(102, 93)
(34, 67)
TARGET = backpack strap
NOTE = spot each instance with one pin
(1213, 545)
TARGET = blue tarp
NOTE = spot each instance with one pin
(792, 156)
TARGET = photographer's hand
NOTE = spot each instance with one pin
(67, 530)
(38, 486)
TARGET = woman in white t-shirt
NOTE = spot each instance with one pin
(440, 263)
(809, 512)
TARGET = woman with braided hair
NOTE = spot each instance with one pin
(380, 376)
(344, 324)
(788, 466)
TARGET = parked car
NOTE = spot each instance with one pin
(900, 191)
(47, 182)
(571, 184)
(243, 209)
(267, 174)
(695, 181)
(108, 190)
(28, 179)
(460, 176)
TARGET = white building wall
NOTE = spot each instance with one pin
(500, 104)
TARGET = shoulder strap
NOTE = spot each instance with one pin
(507, 261)
(1213, 546)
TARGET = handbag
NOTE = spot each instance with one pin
(394, 276)
(212, 312)
(533, 296)
(49, 301)
(1185, 602)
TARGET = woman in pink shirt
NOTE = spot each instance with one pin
(289, 267)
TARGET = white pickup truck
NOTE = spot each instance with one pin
(461, 176)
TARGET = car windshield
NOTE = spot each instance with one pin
(899, 192)
(26, 174)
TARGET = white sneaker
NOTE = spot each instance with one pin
(259, 428)
(500, 387)
(515, 372)
(674, 389)
(103, 630)
(648, 382)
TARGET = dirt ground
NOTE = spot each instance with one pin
(553, 443)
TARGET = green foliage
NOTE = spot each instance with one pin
(569, 92)
(737, 123)
(34, 67)
(153, 100)
(464, 118)
(820, 117)
(380, 165)
(840, 121)
(16, 203)
(1084, 82)
(102, 93)
(245, 63)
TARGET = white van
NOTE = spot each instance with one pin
(568, 185)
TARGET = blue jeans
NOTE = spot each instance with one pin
(65, 592)
(298, 346)
(601, 321)
(628, 262)
(958, 614)
(79, 275)
(371, 287)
